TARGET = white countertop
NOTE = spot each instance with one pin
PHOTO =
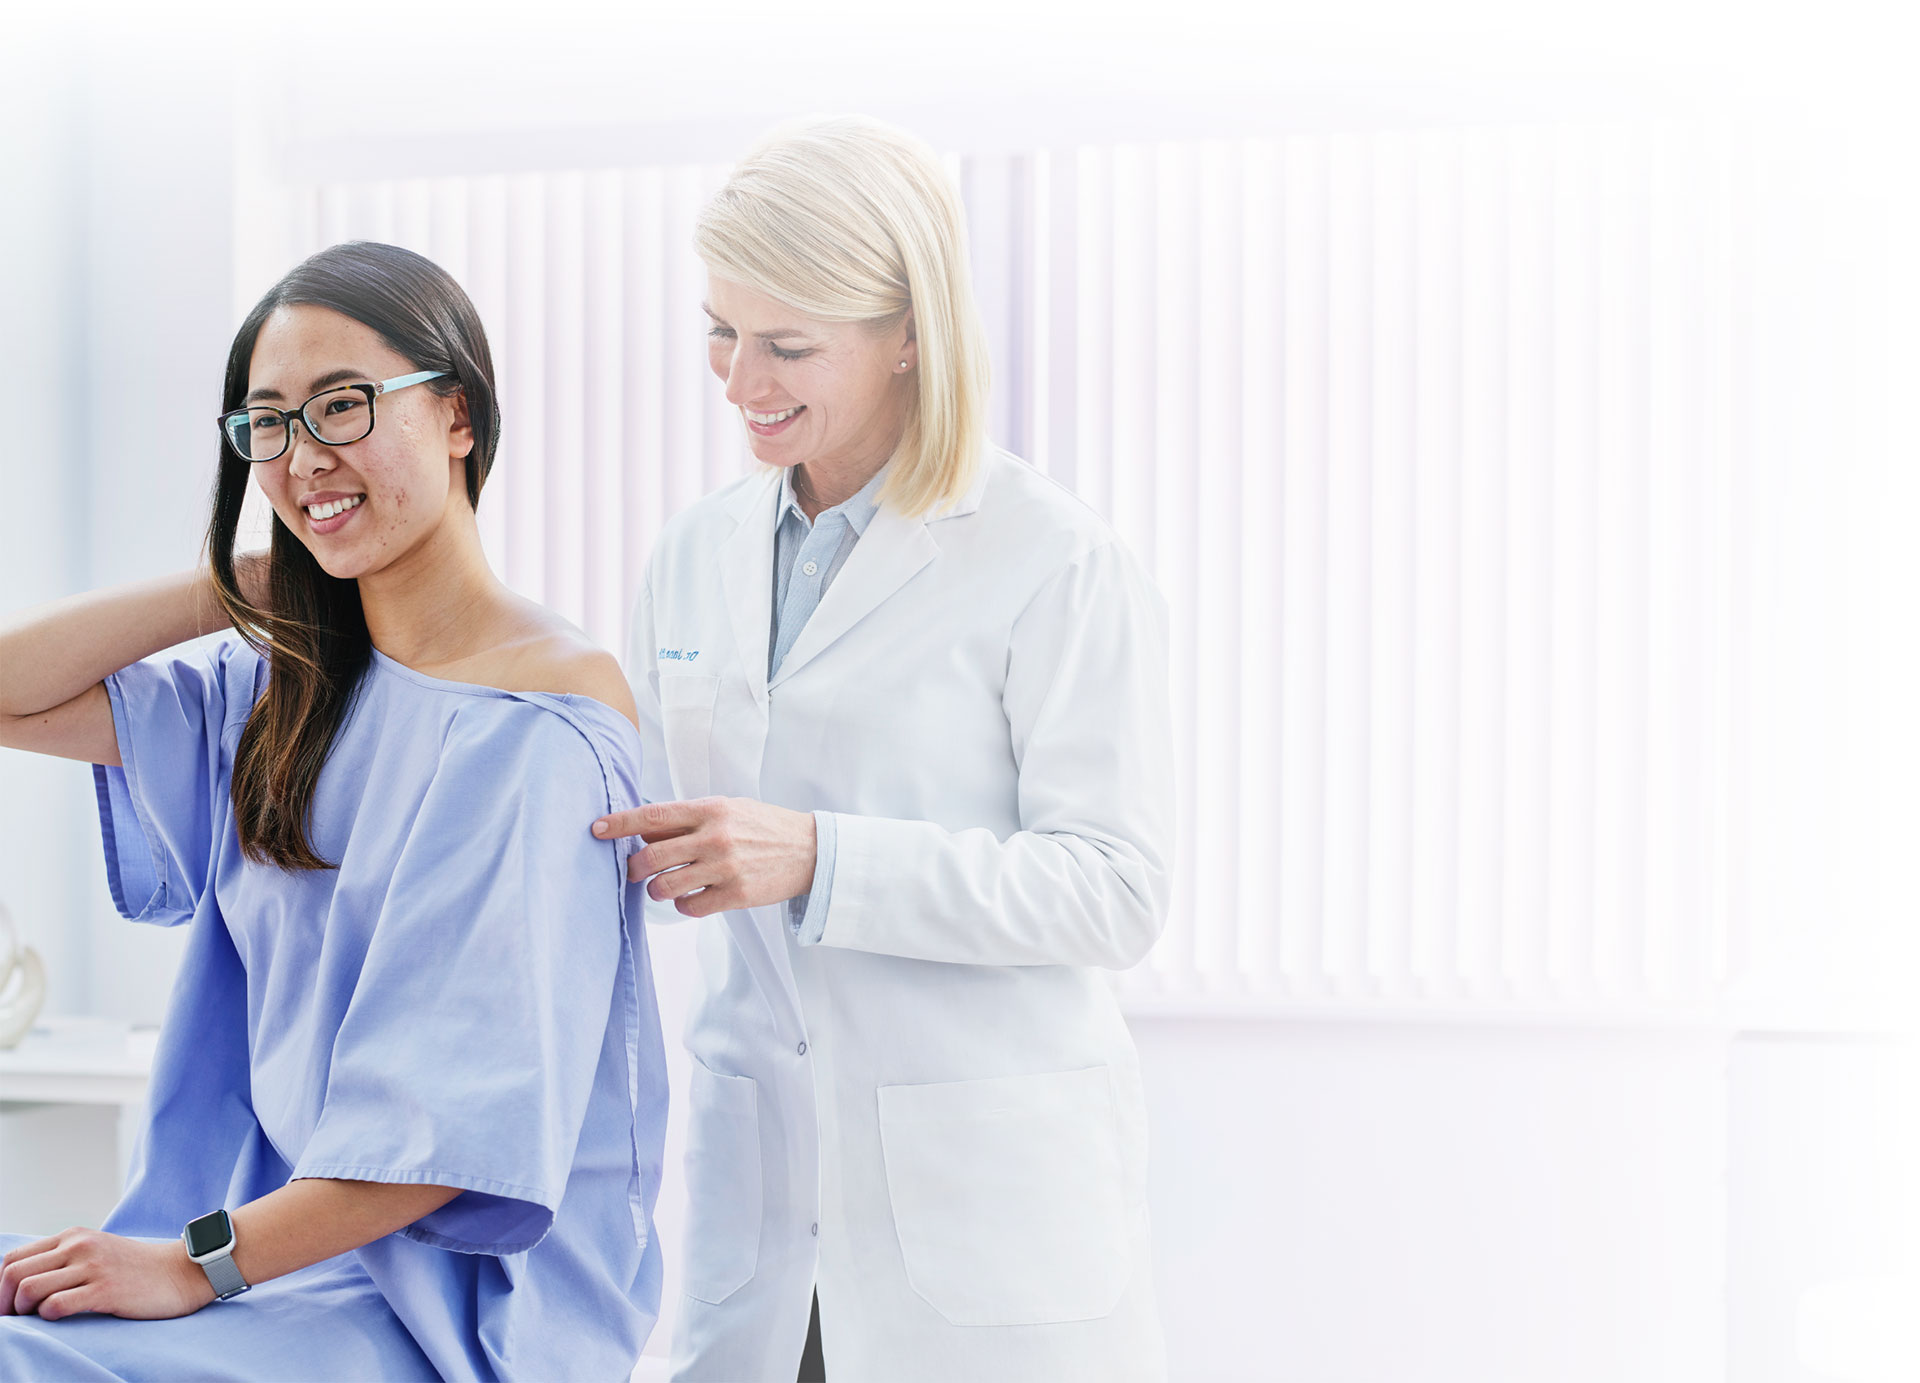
(79, 1061)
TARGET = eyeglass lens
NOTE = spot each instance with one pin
(336, 418)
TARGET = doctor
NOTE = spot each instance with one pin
(904, 701)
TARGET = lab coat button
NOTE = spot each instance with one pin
(814, 1230)
(803, 1049)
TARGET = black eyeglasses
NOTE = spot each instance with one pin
(333, 417)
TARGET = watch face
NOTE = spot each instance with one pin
(208, 1234)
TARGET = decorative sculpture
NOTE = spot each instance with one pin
(23, 984)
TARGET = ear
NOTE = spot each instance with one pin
(909, 349)
(460, 434)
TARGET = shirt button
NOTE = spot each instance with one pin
(803, 1049)
(810, 568)
(814, 1230)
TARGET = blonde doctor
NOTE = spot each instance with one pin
(905, 706)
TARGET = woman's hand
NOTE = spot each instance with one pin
(714, 854)
(90, 1270)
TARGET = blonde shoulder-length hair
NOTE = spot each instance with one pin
(847, 219)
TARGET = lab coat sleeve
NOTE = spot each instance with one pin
(807, 912)
(1086, 879)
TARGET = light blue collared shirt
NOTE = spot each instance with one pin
(806, 558)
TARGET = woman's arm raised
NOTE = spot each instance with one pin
(53, 659)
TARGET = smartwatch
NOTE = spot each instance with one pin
(209, 1241)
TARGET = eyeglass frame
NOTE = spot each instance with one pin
(372, 391)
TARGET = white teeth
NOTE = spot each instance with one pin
(334, 506)
(768, 419)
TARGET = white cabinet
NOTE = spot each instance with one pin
(72, 1095)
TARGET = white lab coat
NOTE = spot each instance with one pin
(935, 1113)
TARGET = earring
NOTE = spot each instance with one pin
(903, 364)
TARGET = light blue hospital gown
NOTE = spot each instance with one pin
(465, 1001)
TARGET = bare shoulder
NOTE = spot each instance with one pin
(572, 664)
(547, 654)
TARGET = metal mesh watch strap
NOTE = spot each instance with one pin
(225, 1278)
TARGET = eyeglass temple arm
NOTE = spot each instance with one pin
(387, 386)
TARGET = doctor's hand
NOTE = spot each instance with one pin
(714, 854)
(90, 1270)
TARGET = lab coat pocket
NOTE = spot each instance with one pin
(1008, 1196)
(686, 724)
(723, 1185)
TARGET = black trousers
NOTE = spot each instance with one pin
(813, 1364)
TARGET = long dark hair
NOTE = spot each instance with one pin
(311, 629)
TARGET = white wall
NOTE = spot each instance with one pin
(1384, 1202)
(1366, 1202)
(119, 165)
(1820, 1187)
(44, 467)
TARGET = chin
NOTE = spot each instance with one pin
(340, 562)
(341, 566)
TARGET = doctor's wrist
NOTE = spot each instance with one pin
(806, 840)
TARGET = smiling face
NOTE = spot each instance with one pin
(827, 395)
(362, 506)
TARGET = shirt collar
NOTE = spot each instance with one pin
(858, 511)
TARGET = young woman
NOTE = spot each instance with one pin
(917, 695)
(408, 1106)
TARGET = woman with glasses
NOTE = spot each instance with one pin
(408, 1106)
(905, 702)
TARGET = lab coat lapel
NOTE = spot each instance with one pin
(887, 556)
(746, 577)
(746, 572)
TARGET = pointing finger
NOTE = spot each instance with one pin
(656, 821)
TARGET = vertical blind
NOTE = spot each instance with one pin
(1429, 438)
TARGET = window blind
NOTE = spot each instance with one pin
(1427, 436)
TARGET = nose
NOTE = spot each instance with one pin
(745, 381)
(306, 458)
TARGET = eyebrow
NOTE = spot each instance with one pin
(777, 334)
(324, 382)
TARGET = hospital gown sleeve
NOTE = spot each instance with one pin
(467, 1053)
(1086, 880)
(177, 718)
